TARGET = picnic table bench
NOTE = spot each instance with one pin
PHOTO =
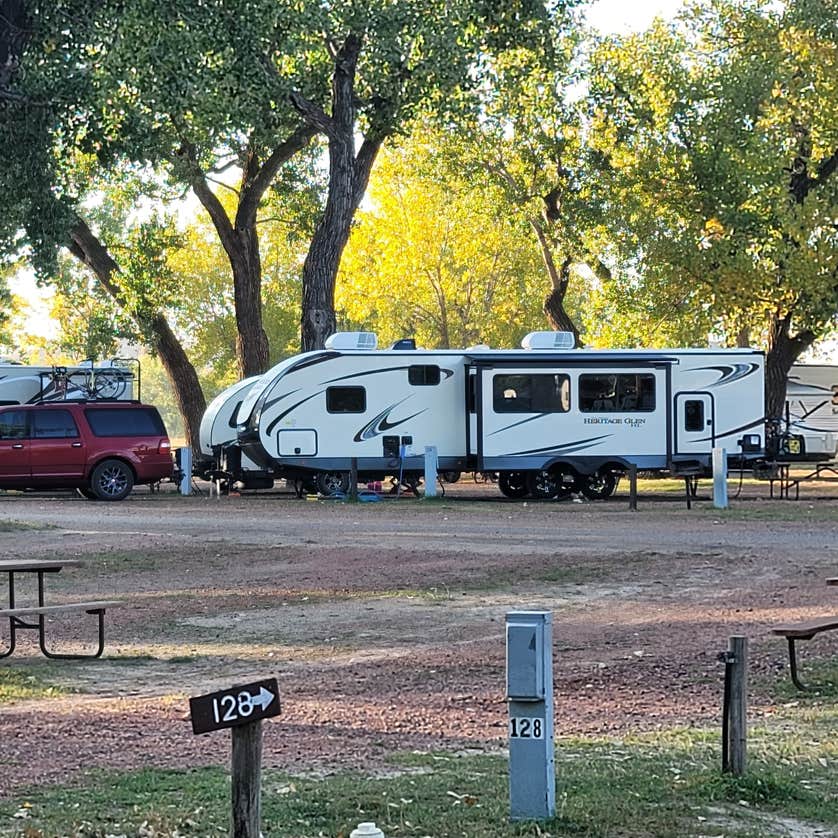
(804, 630)
(21, 617)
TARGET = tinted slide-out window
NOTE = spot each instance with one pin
(132, 421)
(531, 393)
(616, 393)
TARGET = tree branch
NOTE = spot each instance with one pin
(255, 189)
(314, 115)
(209, 200)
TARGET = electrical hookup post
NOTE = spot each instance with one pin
(529, 691)
(241, 709)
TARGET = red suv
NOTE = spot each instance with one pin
(100, 448)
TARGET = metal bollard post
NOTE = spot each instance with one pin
(185, 460)
(720, 478)
(431, 463)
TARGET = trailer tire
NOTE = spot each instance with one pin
(557, 482)
(449, 476)
(599, 486)
(513, 484)
(332, 482)
(544, 485)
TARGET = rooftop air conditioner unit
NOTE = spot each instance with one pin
(549, 340)
(352, 340)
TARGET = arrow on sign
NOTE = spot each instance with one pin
(264, 698)
(238, 705)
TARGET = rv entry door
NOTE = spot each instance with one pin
(695, 431)
(471, 410)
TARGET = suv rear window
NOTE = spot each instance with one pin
(125, 421)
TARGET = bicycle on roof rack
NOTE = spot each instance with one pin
(90, 383)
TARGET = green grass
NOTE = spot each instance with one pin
(9, 525)
(16, 685)
(666, 785)
(820, 675)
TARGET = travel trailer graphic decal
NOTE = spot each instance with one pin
(732, 372)
(516, 424)
(719, 434)
(381, 424)
(278, 399)
(444, 372)
(567, 448)
(282, 415)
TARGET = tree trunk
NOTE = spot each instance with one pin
(241, 244)
(252, 349)
(86, 247)
(554, 308)
(783, 350)
(348, 178)
(240, 241)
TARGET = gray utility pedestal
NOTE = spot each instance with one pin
(529, 691)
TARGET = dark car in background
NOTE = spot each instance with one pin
(101, 448)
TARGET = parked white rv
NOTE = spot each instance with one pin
(812, 408)
(22, 384)
(548, 419)
(218, 439)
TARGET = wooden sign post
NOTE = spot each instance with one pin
(242, 709)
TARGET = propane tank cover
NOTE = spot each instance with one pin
(366, 830)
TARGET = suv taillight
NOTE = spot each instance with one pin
(165, 446)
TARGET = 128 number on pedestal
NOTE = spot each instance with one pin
(523, 727)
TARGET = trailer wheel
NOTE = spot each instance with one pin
(600, 485)
(543, 484)
(513, 484)
(332, 482)
(555, 483)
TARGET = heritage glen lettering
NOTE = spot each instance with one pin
(614, 420)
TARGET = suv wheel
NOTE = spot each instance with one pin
(112, 480)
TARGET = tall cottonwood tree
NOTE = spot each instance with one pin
(719, 134)
(390, 61)
(39, 204)
(525, 137)
(437, 257)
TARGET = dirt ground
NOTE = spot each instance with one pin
(384, 622)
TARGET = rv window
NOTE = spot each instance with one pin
(532, 393)
(423, 375)
(53, 424)
(346, 399)
(693, 415)
(616, 392)
(13, 425)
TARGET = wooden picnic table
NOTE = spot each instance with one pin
(16, 614)
(805, 630)
(39, 566)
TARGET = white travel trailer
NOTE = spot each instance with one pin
(548, 418)
(21, 384)
(219, 448)
(812, 408)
